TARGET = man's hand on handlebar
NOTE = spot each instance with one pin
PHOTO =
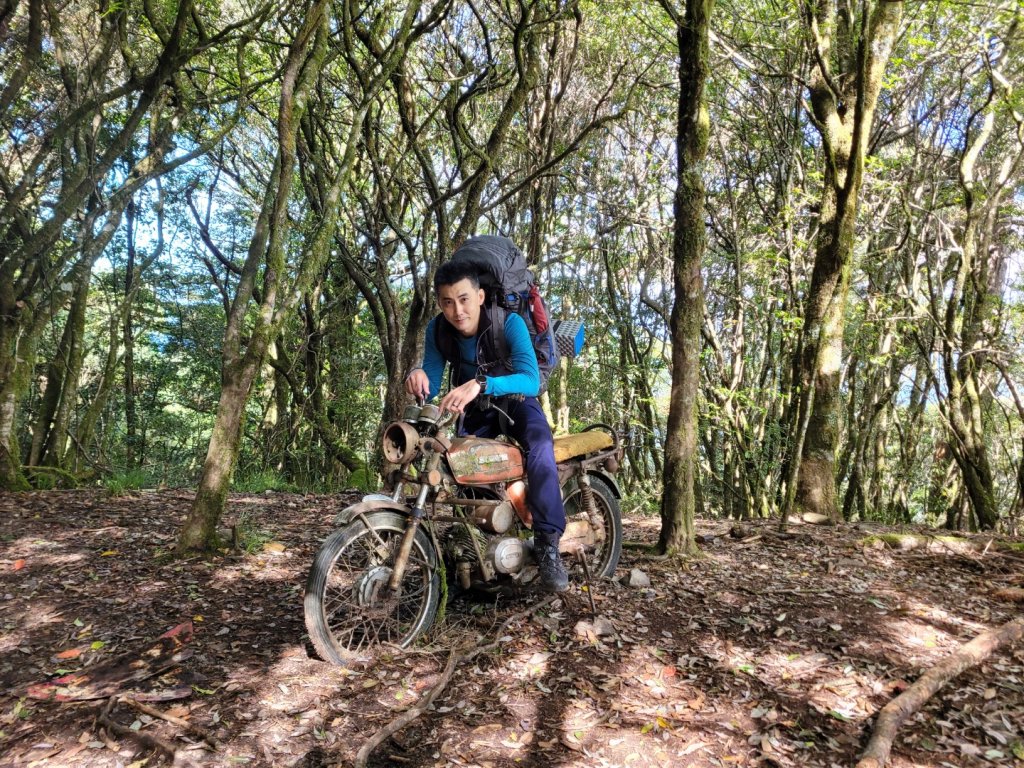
(417, 384)
(459, 399)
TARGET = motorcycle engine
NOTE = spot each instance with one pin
(501, 554)
(508, 553)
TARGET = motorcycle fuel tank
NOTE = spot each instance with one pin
(480, 461)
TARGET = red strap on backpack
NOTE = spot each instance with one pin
(537, 309)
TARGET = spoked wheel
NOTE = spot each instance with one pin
(350, 612)
(604, 557)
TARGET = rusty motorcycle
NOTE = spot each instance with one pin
(459, 516)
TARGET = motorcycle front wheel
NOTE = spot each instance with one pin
(350, 613)
(603, 560)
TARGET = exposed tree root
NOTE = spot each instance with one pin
(892, 715)
(183, 724)
(148, 741)
(456, 658)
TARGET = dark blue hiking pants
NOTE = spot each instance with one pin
(530, 429)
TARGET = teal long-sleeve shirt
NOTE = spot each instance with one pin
(525, 376)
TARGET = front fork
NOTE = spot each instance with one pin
(418, 513)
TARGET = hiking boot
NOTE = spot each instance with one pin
(553, 577)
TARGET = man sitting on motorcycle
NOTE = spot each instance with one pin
(460, 336)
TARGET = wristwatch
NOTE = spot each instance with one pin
(481, 379)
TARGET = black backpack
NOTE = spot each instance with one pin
(510, 287)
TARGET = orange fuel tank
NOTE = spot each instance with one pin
(480, 461)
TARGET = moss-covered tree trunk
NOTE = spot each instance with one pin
(850, 57)
(13, 383)
(72, 354)
(688, 245)
(51, 394)
(200, 530)
(283, 286)
(241, 364)
(131, 418)
(963, 335)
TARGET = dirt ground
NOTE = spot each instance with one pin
(765, 651)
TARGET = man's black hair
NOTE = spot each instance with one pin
(452, 272)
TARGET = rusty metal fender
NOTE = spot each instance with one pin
(608, 478)
(365, 507)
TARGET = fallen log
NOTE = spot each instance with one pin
(892, 715)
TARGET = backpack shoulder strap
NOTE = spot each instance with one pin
(496, 316)
(445, 341)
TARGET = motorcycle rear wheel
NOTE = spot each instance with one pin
(604, 559)
(350, 616)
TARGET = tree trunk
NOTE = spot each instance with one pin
(844, 90)
(678, 506)
(87, 426)
(50, 398)
(266, 248)
(200, 530)
(130, 415)
(822, 360)
(13, 382)
(72, 356)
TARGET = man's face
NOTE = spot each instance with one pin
(460, 303)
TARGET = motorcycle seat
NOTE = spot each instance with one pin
(581, 443)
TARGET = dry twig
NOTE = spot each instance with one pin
(454, 659)
(184, 724)
(148, 741)
(892, 715)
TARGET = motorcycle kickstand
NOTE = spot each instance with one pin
(582, 555)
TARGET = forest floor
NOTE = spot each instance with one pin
(764, 651)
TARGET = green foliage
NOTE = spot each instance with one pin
(44, 482)
(21, 711)
(48, 478)
(249, 536)
(596, 222)
(262, 481)
(363, 479)
(642, 503)
(123, 482)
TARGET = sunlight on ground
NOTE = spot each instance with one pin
(250, 500)
(224, 577)
(931, 612)
(263, 567)
(41, 615)
(530, 665)
(31, 561)
(282, 711)
(33, 553)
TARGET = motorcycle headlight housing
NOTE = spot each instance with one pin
(400, 441)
